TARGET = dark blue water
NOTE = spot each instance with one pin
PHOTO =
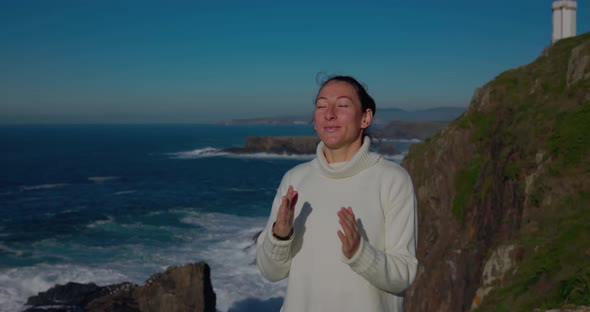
(111, 203)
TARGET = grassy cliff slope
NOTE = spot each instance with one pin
(504, 192)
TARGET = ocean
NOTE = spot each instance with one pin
(114, 203)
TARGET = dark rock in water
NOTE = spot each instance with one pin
(186, 288)
(117, 298)
(56, 309)
(290, 145)
(70, 294)
(183, 288)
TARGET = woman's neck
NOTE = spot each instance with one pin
(342, 154)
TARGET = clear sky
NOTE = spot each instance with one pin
(114, 61)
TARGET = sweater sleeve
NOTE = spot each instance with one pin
(273, 256)
(393, 269)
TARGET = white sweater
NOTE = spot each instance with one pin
(381, 195)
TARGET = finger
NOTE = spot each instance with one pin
(348, 218)
(284, 204)
(346, 246)
(351, 217)
(349, 233)
(350, 230)
(342, 237)
(283, 214)
(294, 197)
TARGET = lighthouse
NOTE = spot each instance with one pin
(564, 19)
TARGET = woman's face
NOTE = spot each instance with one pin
(338, 118)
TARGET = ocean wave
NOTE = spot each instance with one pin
(9, 250)
(231, 254)
(402, 140)
(101, 179)
(41, 186)
(273, 156)
(18, 284)
(124, 192)
(199, 153)
(215, 152)
(3, 234)
(396, 158)
(94, 224)
(248, 190)
(226, 242)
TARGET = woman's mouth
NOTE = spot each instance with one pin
(331, 129)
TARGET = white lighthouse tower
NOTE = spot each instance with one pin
(564, 19)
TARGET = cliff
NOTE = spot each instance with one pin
(504, 193)
(408, 130)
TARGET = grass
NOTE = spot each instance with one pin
(570, 141)
(464, 183)
(556, 269)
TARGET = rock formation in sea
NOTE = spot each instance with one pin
(291, 145)
(178, 289)
(504, 193)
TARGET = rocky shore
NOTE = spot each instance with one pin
(290, 145)
(293, 145)
(180, 288)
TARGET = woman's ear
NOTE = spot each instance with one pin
(367, 118)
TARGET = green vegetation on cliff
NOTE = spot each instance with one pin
(518, 165)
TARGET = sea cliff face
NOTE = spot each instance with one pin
(504, 193)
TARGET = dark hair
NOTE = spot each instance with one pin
(367, 101)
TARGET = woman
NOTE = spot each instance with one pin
(343, 226)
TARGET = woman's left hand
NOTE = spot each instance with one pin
(351, 239)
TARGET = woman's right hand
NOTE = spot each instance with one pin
(286, 213)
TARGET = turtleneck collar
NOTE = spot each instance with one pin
(361, 160)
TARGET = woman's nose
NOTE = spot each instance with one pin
(330, 113)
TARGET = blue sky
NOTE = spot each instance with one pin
(103, 61)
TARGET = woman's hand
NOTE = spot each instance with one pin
(351, 239)
(286, 213)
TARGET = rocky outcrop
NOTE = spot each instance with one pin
(503, 193)
(183, 288)
(290, 145)
(179, 289)
(293, 145)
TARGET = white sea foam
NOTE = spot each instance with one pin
(41, 186)
(231, 253)
(224, 241)
(215, 152)
(100, 222)
(18, 284)
(198, 153)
